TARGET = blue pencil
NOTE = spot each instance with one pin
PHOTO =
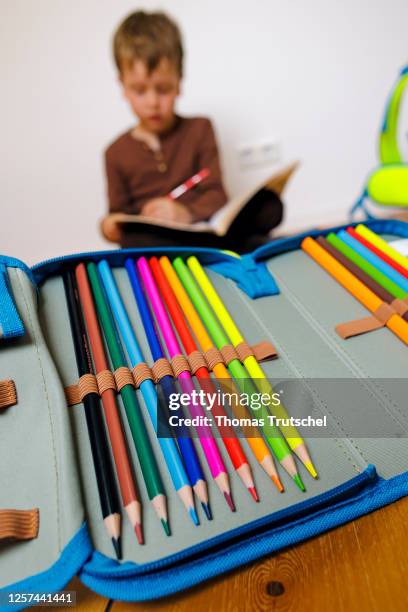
(187, 448)
(381, 265)
(167, 445)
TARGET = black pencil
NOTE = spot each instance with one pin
(108, 494)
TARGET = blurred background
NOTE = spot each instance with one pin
(282, 81)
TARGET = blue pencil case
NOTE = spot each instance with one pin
(277, 293)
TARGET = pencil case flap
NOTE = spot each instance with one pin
(38, 469)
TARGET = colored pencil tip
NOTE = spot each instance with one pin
(166, 526)
(207, 510)
(117, 547)
(139, 533)
(299, 482)
(192, 512)
(278, 483)
(254, 493)
(311, 469)
(229, 501)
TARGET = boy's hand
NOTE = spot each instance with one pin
(168, 209)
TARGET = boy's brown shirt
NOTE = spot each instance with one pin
(136, 174)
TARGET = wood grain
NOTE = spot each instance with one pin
(360, 566)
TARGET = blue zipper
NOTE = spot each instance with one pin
(336, 495)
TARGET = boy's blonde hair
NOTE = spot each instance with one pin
(148, 37)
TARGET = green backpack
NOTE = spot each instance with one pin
(388, 184)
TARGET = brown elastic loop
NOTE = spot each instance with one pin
(196, 361)
(400, 306)
(357, 327)
(264, 350)
(19, 524)
(123, 376)
(8, 394)
(384, 313)
(244, 351)
(72, 395)
(141, 372)
(213, 357)
(180, 365)
(229, 353)
(105, 380)
(87, 384)
(161, 368)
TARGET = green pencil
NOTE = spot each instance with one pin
(272, 434)
(147, 460)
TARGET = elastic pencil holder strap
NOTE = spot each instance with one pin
(74, 394)
(377, 320)
(105, 380)
(123, 376)
(179, 364)
(160, 369)
(261, 351)
(196, 361)
(400, 306)
(19, 524)
(213, 358)
(8, 394)
(229, 353)
(141, 372)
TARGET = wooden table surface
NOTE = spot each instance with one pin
(360, 566)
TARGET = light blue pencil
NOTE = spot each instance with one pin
(376, 261)
(168, 446)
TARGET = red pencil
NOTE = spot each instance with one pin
(130, 497)
(189, 184)
(232, 445)
(391, 262)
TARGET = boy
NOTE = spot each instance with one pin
(164, 149)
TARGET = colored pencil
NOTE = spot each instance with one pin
(257, 444)
(186, 445)
(190, 183)
(121, 458)
(382, 244)
(272, 435)
(232, 445)
(208, 444)
(167, 444)
(293, 438)
(362, 293)
(366, 266)
(374, 260)
(391, 262)
(147, 460)
(359, 273)
(108, 495)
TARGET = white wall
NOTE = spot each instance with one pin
(313, 75)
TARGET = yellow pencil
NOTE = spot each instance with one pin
(290, 432)
(382, 245)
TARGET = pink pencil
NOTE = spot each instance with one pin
(189, 184)
(208, 444)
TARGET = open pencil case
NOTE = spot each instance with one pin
(276, 293)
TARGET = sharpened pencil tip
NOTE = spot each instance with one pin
(278, 484)
(192, 512)
(254, 493)
(117, 547)
(166, 526)
(207, 510)
(139, 533)
(229, 501)
(299, 482)
(311, 469)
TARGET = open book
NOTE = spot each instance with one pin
(220, 222)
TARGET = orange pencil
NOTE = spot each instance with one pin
(354, 286)
(257, 445)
